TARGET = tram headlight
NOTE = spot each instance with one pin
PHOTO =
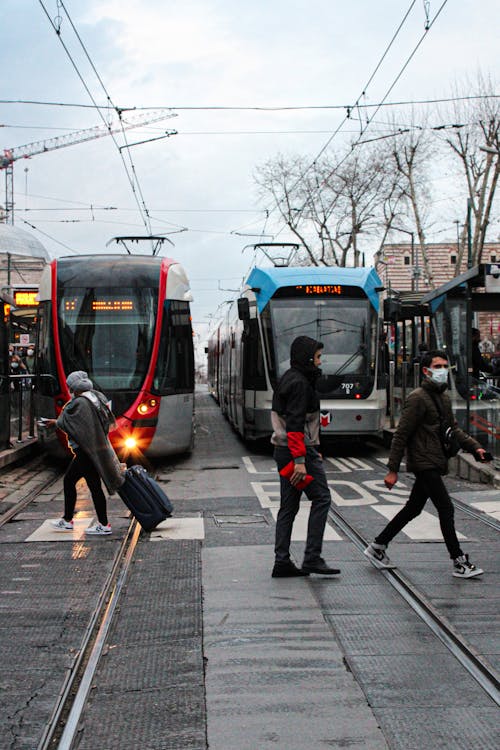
(146, 406)
(130, 443)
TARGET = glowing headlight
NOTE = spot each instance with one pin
(142, 408)
(130, 442)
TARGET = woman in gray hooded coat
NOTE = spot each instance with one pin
(86, 420)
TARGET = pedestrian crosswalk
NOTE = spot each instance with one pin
(357, 490)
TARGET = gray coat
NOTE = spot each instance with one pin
(81, 421)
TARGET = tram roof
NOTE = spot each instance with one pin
(266, 281)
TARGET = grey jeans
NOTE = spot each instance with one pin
(319, 495)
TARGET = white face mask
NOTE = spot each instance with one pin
(438, 376)
(15, 365)
(30, 352)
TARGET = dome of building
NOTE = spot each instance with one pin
(16, 241)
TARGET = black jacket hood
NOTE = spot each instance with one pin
(302, 353)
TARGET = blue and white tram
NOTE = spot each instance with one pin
(125, 320)
(250, 350)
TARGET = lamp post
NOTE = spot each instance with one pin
(414, 259)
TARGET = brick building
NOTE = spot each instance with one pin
(401, 272)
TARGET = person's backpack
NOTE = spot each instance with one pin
(104, 413)
(449, 443)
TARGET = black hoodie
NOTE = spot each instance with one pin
(295, 411)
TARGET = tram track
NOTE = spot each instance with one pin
(476, 514)
(29, 496)
(64, 724)
(483, 672)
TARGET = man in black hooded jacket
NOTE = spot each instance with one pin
(295, 420)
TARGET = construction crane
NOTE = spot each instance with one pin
(10, 155)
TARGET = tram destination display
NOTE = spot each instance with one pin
(319, 290)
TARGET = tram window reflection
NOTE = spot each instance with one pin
(344, 327)
(108, 333)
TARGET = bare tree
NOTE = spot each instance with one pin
(475, 141)
(329, 203)
(412, 153)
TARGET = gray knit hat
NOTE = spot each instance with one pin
(79, 381)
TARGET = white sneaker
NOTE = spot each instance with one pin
(99, 529)
(376, 553)
(462, 568)
(62, 525)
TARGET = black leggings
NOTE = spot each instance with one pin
(82, 467)
(428, 484)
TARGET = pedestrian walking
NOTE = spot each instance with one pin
(86, 420)
(426, 416)
(296, 419)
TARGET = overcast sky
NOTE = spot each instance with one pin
(211, 54)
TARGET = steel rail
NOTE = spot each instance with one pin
(27, 499)
(487, 677)
(91, 649)
(477, 514)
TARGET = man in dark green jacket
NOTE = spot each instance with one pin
(419, 434)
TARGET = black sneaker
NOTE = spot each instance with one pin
(319, 566)
(287, 570)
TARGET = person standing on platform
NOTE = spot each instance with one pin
(29, 359)
(479, 364)
(86, 420)
(419, 434)
(296, 420)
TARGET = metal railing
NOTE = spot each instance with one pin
(22, 407)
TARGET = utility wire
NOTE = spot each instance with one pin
(135, 181)
(224, 108)
(428, 26)
(348, 113)
(142, 209)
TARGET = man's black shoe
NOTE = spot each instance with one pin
(287, 570)
(320, 567)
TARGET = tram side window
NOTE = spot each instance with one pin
(175, 367)
(47, 381)
(265, 318)
(254, 377)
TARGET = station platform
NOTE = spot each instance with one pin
(208, 651)
(18, 451)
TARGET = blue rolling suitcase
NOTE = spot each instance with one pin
(144, 498)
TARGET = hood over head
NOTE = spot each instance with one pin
(302, 353)
(79, 381)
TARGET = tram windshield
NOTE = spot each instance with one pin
(108, 332)
(346, 327)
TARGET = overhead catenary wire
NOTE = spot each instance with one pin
(321, 184)
(132, 179)
(348, 112)
(254, 108)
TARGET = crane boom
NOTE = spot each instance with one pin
(10, 155)
(79, 136)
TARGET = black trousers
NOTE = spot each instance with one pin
(82, 467)
(319, 495)
(428, 484)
